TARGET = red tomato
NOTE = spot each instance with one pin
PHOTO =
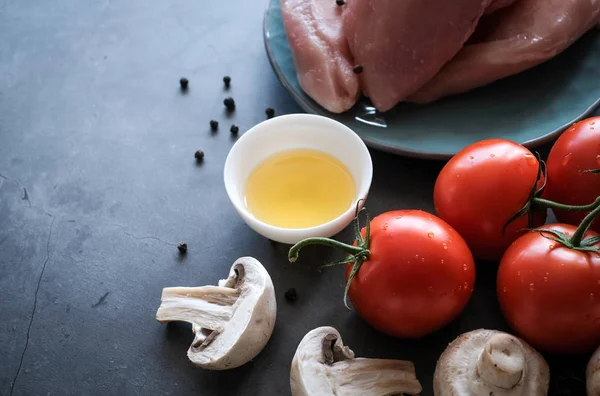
(550, 294)
(481, 188)
(576, 150)
(419, 276)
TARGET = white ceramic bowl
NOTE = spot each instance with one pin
(295, 131)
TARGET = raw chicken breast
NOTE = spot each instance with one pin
(513, 40)
(498, 4)
(403, 44)
(321, 56)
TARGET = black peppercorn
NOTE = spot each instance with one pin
(182, 248)
(358, 69)
(291, 295)
(227, 81)
(229, 103)
(340, 2)
(234, 129)
(183, 82)
(199, 155)
(270, 112)
(214, 125)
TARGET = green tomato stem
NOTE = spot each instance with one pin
(544, 203)
(350, 249)
(585, 225)
(357, 255)
(597, 171)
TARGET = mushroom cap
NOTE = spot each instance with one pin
(308, 374)
(593, 372)
(252, 322)
(456, 372)
(323, 366)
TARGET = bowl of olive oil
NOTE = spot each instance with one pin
(298, 176)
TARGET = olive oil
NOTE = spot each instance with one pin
(299, 188)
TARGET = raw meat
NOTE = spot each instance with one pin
(403, 44)
(498, 4)
(321, 55)
(515, 39)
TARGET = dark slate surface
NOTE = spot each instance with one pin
(98, 184)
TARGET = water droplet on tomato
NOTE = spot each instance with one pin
(471, 157)
(531, 287)
(445, 245)
(545, 279)
(466, 286)
(430, 234)
(592, 122)
(465, 267)
(592, 297)
(492, 155)
(504, 289)
(430, 288)
(598, 282)
(531, 160)
(551, 246)
(562, 264)
(442, 262)
(398, 217)
(598, 159)
(422, 259)
(417, 256)
(591, 128)
(385, 226)
(566, 159)
(518, 273)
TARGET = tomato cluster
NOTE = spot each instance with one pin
(549, 281)
(409, 272)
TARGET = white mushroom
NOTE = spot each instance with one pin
(323, 366)
(489, 362)
(232, 322)
(593, 374)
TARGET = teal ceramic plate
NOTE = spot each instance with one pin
(531, 108)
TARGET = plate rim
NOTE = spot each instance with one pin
(398, 150)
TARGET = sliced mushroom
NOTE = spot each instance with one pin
(489, 362)
(323, 366)
(593, 374)
(232, 322)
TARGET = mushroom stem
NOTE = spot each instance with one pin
(207, 307)
(353, 376)
(502, 361)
